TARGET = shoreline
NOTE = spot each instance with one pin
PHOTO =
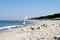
(42, 30)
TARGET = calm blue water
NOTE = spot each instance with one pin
(4, 23)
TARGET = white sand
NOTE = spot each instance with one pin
(46, 32)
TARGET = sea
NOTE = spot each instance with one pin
(6, 23)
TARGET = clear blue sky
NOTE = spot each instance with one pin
(18, 9)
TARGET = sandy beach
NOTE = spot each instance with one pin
(42, 30)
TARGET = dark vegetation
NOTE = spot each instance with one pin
(57, 15)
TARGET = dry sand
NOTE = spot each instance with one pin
(42, 30)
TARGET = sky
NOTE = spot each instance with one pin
(18, 9)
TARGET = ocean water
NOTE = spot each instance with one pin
(4, 23)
